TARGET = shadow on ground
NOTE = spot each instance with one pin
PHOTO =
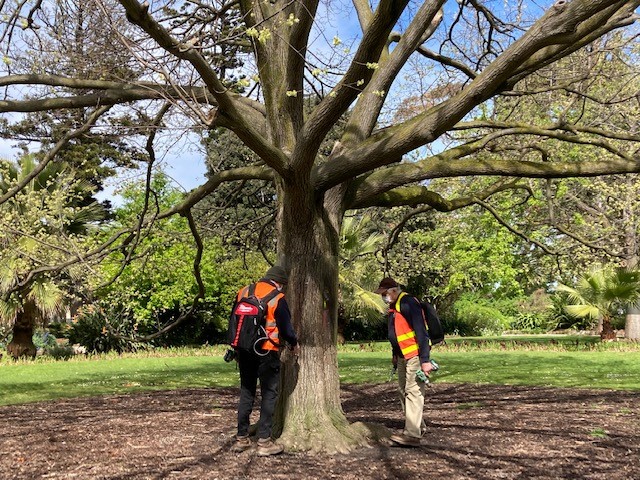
(475, 432)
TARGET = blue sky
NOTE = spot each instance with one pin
(183, 162)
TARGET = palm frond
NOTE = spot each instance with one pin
(572, 294)
(599, 292)
(48, 297)
(368, 304)
(8, 311)
(582, 311)
(8, 275)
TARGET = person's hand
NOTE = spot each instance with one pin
(394, 361)
(426, 367)
(296, 350)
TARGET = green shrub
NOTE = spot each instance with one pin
(60, 352)
(564, 320)
(59, 329)
(92, 330)
(475, 316)
(203, 327)
(5, 332)
(533, 322)
(365, 331)
(42, 339)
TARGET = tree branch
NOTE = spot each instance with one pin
(513, 230)
(327, 113)
(139, 89)
(452, 163)
(256, 172)
(228, 106)
(557, 26)
(421, 195)
(51, 154)
(365, 114)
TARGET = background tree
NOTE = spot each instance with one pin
(479, 51)
(72, 41)
(42, 227)
(241, 215)
(585, 220)
(359, 276)
(158, 285)
(600, 293)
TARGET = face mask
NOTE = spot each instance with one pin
(387, 299)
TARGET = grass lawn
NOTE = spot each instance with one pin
(484, 362)
(601, 369)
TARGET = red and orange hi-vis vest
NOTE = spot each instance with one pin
(262, 290)
(405, 334)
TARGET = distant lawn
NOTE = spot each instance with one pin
(614, 370)
(538, 341)
(484, 362)
(32, 382)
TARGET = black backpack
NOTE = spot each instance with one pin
(434, 326)
(247, 321)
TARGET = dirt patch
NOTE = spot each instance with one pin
(475, 432)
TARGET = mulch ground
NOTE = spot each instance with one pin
(475, 432)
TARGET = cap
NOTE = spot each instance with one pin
(278, 274)
(386, 284)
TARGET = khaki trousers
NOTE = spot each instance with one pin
(411, 396)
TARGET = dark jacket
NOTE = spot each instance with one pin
(411, 309)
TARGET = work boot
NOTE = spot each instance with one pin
(267, 447)
(405, 440)
(242, 443)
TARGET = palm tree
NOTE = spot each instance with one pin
(358, 273)
(41, 226)
(600, 293)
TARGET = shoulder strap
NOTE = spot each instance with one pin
(270, 296)
(402, 294)
(264, 301)
(424, 316)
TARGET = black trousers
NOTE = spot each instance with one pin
(253, 368)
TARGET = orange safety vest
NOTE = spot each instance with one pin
(405, 335)
(262, 290)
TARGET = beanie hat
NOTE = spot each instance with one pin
(278, 274)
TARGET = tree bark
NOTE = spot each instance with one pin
(632, 318)
(632, 324)
(22, 344)
(309, 416)
(608, 333)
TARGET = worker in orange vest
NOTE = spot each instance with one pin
(263, 361)
(410, 345)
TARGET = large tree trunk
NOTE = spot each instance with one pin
(632, 324)
(632, 320)
(310, 415)
(22, 343)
